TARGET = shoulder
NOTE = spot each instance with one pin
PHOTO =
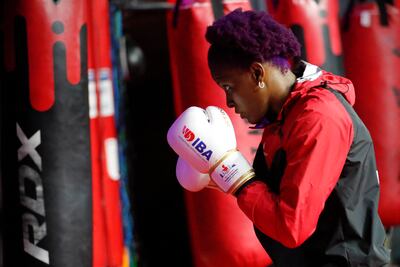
(318, 103)
(317, 111)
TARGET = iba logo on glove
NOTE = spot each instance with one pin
(198, 145)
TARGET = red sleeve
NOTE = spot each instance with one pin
(316, 150)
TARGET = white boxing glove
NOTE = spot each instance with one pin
(191, 136)
(206, 140)
(191, 179)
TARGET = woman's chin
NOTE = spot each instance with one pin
(249, 120)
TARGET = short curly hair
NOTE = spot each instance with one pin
(243, 37)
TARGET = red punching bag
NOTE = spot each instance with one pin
(372, 62)
(99, 240)
(316, 26)
(48, 144)
(221, 234)
(108, 146)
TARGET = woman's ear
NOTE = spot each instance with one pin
(258, 72)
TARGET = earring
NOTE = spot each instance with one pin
(261, 84)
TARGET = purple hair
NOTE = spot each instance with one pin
(243, 37)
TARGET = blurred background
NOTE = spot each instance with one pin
(88, 90)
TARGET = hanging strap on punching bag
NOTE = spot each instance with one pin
(383, 14)
(218, 8)
(175, 14)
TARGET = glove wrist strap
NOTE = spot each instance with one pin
(231, 171)
(227, 154)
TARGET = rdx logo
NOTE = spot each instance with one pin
(33, 230)
(198, 145)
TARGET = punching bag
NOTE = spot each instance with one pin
(316, 26)
(47, 170)
(108, 144)
(221, 235)
(99, 241)
(372, 62)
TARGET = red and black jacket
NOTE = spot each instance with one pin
(315, 199)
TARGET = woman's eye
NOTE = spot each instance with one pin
(227, 88)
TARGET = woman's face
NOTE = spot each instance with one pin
(242, 91)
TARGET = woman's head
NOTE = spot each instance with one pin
(244, 46)
(243, 37)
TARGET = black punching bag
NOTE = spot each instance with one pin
(47, 205)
